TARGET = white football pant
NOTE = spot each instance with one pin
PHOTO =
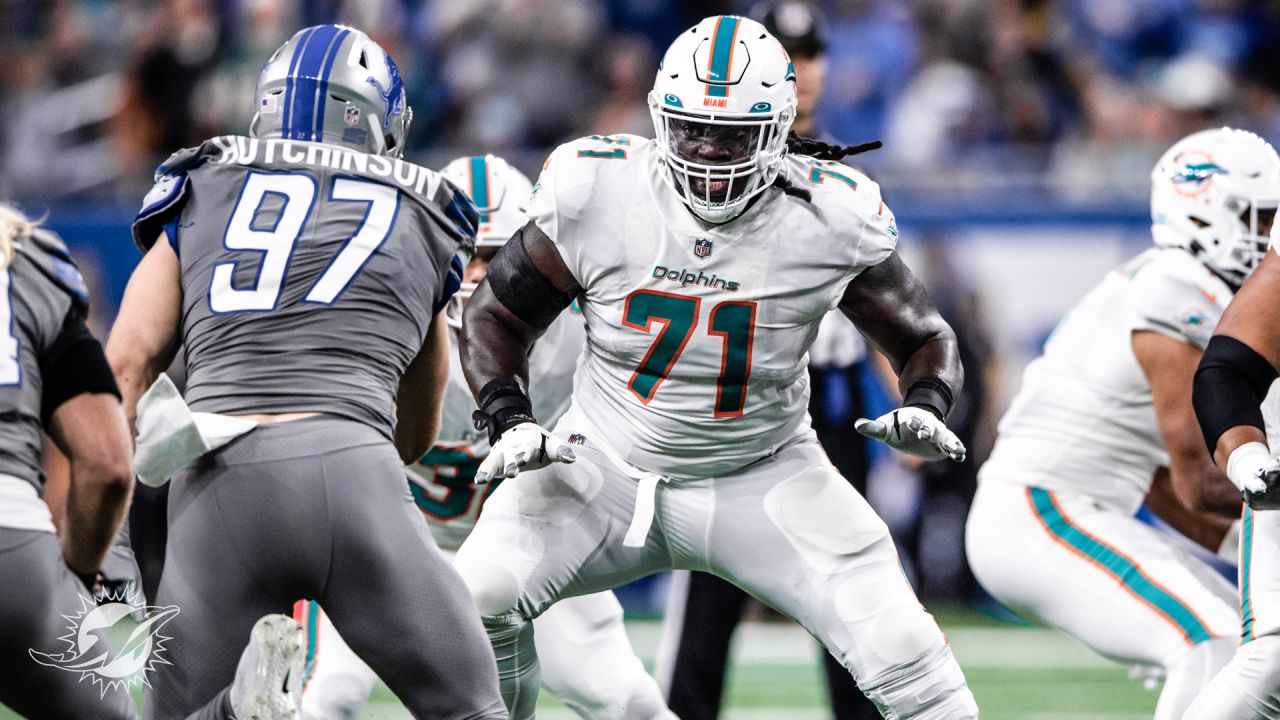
(1116, 584)
(788, 529)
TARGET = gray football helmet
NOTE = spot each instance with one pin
(333, 84)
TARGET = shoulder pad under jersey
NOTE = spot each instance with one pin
(49, 254)
(165, 197)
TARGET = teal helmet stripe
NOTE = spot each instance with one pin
(1246, 572)
(307, 99)
(332, 57)
(289, 79)
(480, 185)
(722, 54)
(1118, 566)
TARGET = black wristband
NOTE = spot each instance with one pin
(503, 405)
(930, 394)
(1230, 385)
(89, 579)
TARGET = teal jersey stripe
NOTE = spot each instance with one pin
(1119, 566)
(480, 185)
(722, 54)
(1246, 562)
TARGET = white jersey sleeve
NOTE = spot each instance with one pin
(1181, 300)
(564, 189)
(872, 231)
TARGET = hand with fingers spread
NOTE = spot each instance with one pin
(1253, 469)
(526, 446)
(915, 431)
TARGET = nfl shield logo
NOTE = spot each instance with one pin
(353, 115)
(702, 247)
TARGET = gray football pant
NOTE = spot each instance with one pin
(41, 595)
(316, 508)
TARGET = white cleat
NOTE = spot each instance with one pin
(268, 682)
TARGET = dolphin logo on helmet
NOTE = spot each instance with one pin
(307, 89)
(1214, 193)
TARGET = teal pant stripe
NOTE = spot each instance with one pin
(1246, 553)
(1119, 566)
(313, 640)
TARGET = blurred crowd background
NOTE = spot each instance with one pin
(1019, 139)
(970, 96)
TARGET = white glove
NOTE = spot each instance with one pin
(526, 446)
(1252, 469)
(916, 431)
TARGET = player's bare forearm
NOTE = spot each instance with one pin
(1205, 528)
(421, 393)
(1170, 364)
(891, 307)
(90, 428)
(493, 343)
(527, 285)
(146, 334)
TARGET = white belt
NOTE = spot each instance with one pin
(646, 497)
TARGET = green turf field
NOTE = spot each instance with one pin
(1016, 672)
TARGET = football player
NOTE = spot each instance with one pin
(305, 270)
(1104, 420)
(587, 660)
(1233, 380)
(703, 263)
(55, 378)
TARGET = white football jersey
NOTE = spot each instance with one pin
(443, 480)
(697, 334)
(1084, 419)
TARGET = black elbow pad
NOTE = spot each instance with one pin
(1230, 385)
(522, 288)
(73, 365)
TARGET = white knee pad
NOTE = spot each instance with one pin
(494, 589)
(930, 687)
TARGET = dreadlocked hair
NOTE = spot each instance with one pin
(802, 145)
(13, 226)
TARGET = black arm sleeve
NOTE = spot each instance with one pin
(73, 364)
(1231, 382)
(522, 288)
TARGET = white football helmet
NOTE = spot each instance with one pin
(501, 194)
(1215, 193)
(722, 105)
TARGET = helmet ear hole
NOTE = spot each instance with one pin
(1199, 222)
(364, 60)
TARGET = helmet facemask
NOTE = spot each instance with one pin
(1246, 243)
(717, 163)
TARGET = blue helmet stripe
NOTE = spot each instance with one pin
(307, 82)
(722, 54)
(288, 80)
(323, 95)
(480, 185)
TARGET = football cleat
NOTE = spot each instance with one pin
(268, 682)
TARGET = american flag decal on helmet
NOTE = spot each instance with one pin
(702, 247)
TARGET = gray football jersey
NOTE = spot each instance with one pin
(37, 290)
(310, 272)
